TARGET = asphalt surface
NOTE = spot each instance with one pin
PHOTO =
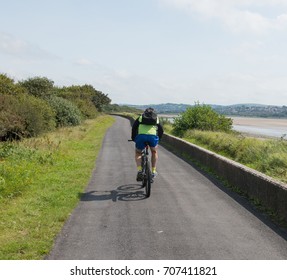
(188, 215)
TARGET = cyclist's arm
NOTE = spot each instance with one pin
(135, 129)
(159, 130)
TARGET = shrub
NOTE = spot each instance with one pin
(201, 117)
(24, 116)
(67, 114)
(8, 86)
(100, 100)
(86, 107)
(38, 115)
(87, 93)
(38, 86)
(11, 124)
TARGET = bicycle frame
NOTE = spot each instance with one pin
(147, 180)
(146, 170)
(145, 154)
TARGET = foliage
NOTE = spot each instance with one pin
(115, 108)
(24, 116)
(167, 124)
(8, 86)
(86, 107)
(100, 99)
(35, 105)
(38, 86)
(87, 93)
(201, 117)
(67, 114)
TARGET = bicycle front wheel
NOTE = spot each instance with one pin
(148, 179)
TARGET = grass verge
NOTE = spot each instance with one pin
(40, 183)
(268, 156)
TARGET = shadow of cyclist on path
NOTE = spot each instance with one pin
(130, 192)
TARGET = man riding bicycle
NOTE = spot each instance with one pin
(146, 129)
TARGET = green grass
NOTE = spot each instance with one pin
(40, 183)
(267, 156)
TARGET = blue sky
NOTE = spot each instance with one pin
(152, 51)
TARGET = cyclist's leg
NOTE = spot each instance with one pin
(153, 142)
(154, 157)
(139, 146)
(138, 159)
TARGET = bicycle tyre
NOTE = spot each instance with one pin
(148, 180)
(144, 181)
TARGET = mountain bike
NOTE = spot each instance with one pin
(147, 176)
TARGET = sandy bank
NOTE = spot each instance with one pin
(260, 122)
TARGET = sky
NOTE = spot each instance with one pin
(220, 52)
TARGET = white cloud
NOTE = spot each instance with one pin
(282, 20)
(84, 61)
(237, 15)
(248, 48)
(22, 49)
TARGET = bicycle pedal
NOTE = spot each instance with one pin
(139, 177)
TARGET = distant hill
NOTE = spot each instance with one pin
(167, 108)
(246, 110)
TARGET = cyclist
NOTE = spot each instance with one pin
(146, 129)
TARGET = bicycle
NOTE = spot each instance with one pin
(147, 176)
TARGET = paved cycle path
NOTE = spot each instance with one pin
(188, 216)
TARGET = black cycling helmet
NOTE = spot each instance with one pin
(149, 112)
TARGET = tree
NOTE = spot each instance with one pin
(38, 86)
(8, 86)
(87, 93)
(201, 117)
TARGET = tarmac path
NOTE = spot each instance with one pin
(188, 215)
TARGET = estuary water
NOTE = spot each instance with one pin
(255, 126)
(261, 126)
(270, 132)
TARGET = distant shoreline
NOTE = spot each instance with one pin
(259, 122)
(254, 126)
(252, 121)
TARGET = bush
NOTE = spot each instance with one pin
(87, 108)
(8, 86)
(24, 116)
(67, 114)
(87, 93)
(12, 126)
(38, 86)
(201, 117)
(35, 105)
(80, 98)
(100, 100)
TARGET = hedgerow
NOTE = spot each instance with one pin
(66, 113)
(34, 106)
(24, 115)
